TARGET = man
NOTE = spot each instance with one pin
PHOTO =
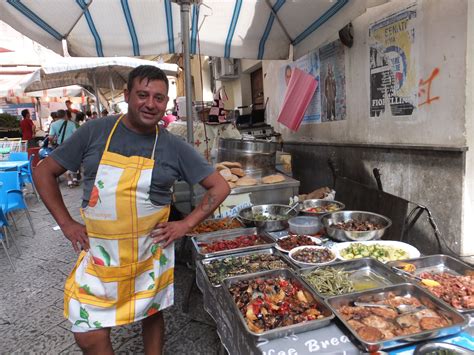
(28, 128)
(330, 93)
(70, 111)
(60, 131)
(125, 271)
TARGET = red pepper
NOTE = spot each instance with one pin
(284, 308)
(283, 283)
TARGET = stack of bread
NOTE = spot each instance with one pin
(234, 174)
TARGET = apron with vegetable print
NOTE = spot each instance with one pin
(124, 277)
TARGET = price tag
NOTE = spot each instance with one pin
(232, 205)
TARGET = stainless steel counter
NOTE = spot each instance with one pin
(241, 196)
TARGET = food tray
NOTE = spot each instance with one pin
(227, 235)
(360, 269)
(202, 263)
(405, 289)
(190, 234)
(437, 264)
(282, 331)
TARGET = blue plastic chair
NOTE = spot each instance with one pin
(4, 236)
(18, 156)
(11, 196)
(26, 176)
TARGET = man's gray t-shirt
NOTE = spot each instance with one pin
(174, 158)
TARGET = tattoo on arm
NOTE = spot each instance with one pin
(208, 202)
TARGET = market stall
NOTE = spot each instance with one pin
(409, 299)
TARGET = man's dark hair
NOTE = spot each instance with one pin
(80, 116)
(54, 115)
(88, 113)
(24, 112)
(68, 102)
(61, 113)
(148, 72)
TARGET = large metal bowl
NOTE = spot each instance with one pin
(319, 203)
(361, 216)
(246, 216)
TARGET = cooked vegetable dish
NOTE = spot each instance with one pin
(218, 270)
(313, 255)
(332, 207)
(357, 226)
(269, 217)
(330, 281)
(227, 244)
(293, 241)
(274, 302)
(380, 252)
(376, 324)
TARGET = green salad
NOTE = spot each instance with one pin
(380, 252)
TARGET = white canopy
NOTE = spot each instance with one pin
(109, 73)
(255, 29)
(14, 86)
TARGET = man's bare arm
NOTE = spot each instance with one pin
(45, 175)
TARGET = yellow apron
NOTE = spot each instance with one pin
(124, 277)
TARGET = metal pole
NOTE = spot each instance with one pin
(96, 93)
(187, 82)
(112, 86)
(187, 70)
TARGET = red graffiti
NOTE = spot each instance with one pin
(427, 84)
(197, 143)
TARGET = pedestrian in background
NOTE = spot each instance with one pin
(28, 128)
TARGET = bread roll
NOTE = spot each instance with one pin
(231, 164)
(231, 184)
(238, 171)
(272, 179)
(233, 178)
(220, 167)
(246, 181)
(226, 174)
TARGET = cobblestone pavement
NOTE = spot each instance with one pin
(31, 299)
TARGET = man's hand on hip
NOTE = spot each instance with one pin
(168, 232)
(77, 234)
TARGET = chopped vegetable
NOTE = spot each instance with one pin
(380, 252)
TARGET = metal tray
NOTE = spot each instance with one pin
(282, 331)
(202, 263)
(227, 235)
(437, 264)
(218, 231)
(360, 269)
(406, 289)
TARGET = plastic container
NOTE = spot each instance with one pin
(305, 225)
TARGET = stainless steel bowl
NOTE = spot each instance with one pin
(246, 216)
(319, 203)
(348, 236)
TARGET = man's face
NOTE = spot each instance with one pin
(146, 103)
(68, 104)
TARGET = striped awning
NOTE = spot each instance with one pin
(254, 29)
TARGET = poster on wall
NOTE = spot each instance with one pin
(309, 64)
(333, 82)
(393, 85)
